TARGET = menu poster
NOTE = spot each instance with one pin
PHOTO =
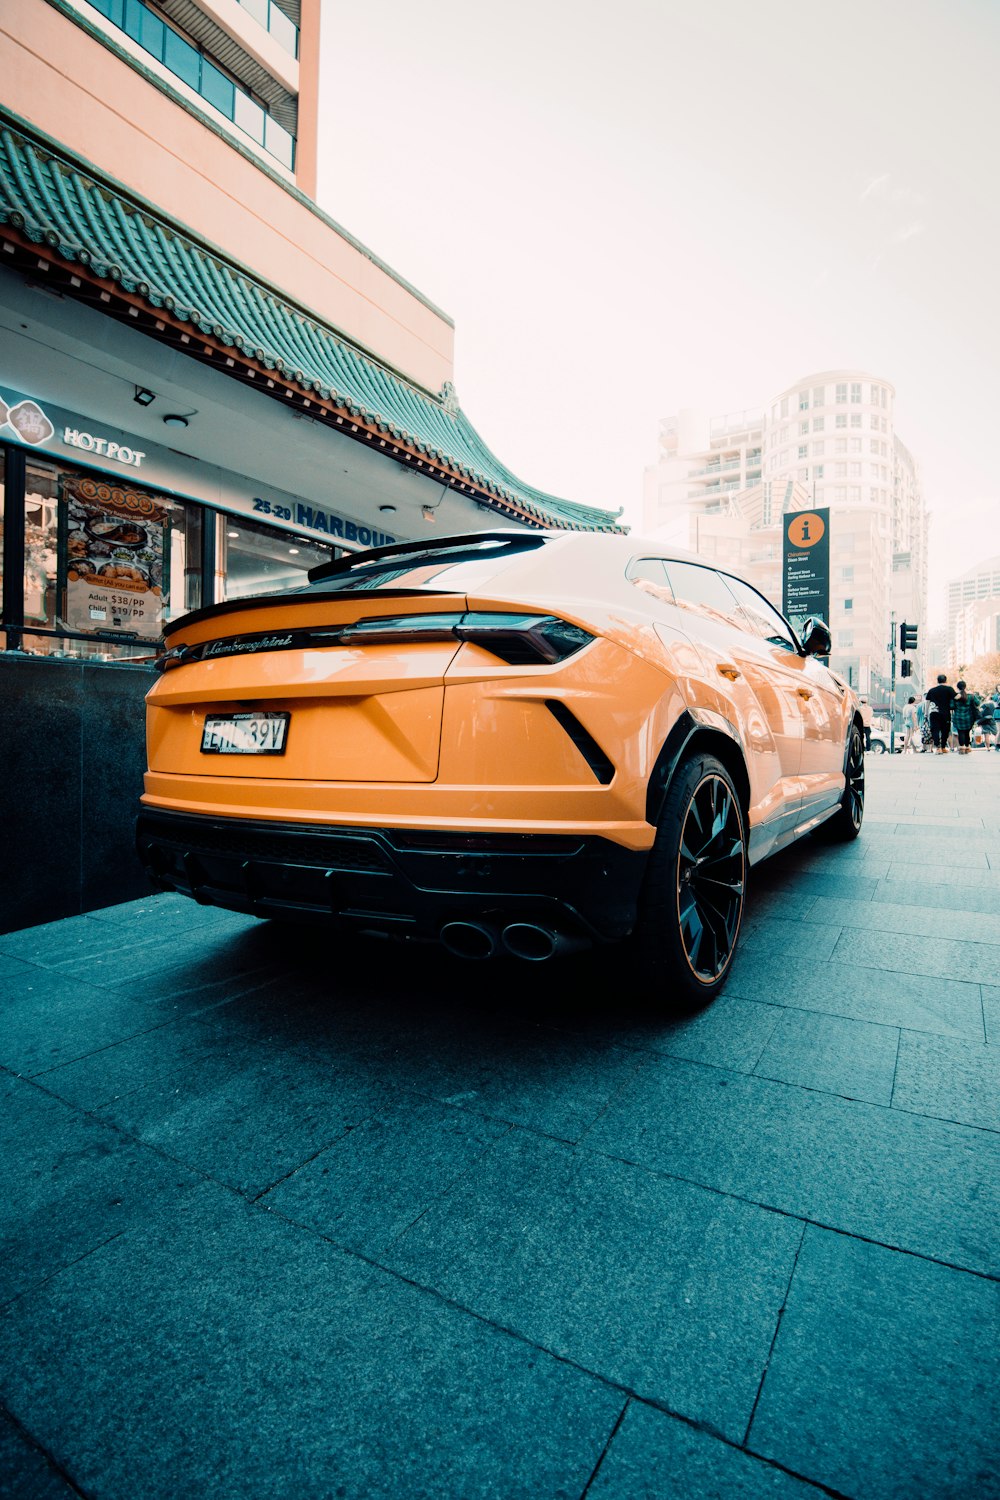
(113, 552)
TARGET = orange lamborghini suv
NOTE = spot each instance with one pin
(516, 742)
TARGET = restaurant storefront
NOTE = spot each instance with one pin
(106, 538)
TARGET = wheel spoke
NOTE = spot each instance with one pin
(710, 877)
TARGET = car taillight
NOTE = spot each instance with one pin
(518, 640)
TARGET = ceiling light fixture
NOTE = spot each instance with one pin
(173, 419)
(293, 551)
(143, 397)
(233, 535)
(388, 510)
(427, 511)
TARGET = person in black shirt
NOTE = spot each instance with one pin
(941, 697)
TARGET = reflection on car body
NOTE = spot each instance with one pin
(506, 741)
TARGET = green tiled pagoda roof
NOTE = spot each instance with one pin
(51, 199)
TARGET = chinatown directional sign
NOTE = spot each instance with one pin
(805, 573)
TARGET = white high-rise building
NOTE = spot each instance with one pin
(973, 603)
(722, 487)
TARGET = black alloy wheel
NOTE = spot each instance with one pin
(692, 898)
(846, 821)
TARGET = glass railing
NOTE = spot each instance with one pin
(191, 67)
(274, 20)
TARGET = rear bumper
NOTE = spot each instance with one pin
(393, 881)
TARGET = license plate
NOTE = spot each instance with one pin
(245, 734)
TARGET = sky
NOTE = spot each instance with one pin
(633, 207)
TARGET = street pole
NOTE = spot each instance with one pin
(892, 689)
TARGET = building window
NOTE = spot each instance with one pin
(845, 638)
(841, 419)
(849, 603)
(803, 450)
(106, 563)
(840, 445)
(819, 395)
(855, 471)
(855, 419)
(818, 471)
(803, 400)
(856, 390)
(840, 471)
(818, 449)
(803, 428)
(847, 573)
(784, 406)
(841, 394)
(255, 559)
(818, 424)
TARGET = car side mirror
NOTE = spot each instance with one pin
(816, 638)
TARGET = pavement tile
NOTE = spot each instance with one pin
(926, 922)
(885, 1376)
(851, 1058)
(945, 1007)
(991, 1012)
(159, 1055)
(780, 935)
(25, 1472)
(913, 874)
(955, 958)
(662, 1287)
(949, 1079)
(904, 1180)
(370, 1185)
(949, 897)
(251, 1118)
(653, 1456)
(70, 1184)
(729, 1033)
(251, 1357)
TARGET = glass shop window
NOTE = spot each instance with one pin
(256, 559)
(106, 564)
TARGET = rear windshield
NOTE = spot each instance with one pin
(453, 567)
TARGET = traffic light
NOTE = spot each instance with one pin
(905, 667)
(907, 637)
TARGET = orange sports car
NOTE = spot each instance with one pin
(516, 742)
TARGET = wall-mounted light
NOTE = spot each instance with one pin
(427, 511)
(143, 397)
(233, 536)
(173, 419)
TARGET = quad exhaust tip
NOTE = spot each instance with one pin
(525, 940)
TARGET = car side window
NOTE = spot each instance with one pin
(763, 617)
(650, 575)
(705, 591)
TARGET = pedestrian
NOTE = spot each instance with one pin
(941, 696)
(911, 726)
(964, 713)
(866, 721)
(988, 722)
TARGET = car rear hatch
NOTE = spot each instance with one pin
(335, 689)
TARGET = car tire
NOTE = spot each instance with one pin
(878, 747)
(691, 902)
(846, 821)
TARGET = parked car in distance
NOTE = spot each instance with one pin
(509, 741)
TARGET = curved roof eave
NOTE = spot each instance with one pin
(54, 200)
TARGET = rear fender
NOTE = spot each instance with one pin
(689, 736)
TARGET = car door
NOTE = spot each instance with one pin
(822, 700)
(737, 652)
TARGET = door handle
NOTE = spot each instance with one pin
(803, 692)
(726, 669)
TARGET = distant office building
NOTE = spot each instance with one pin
(973, 602)
(721, 488)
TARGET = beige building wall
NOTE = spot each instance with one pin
(76, 89)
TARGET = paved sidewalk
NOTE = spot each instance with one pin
(284, 1218)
